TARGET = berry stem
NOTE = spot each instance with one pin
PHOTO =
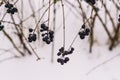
(63, 12)
(49, 14)
(77, 34)
(38, 58)
(41, 18)
(54, 24)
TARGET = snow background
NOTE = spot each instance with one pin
(81, 61)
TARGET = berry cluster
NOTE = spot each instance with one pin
(84, 32)
(47, 34)
(119, 18)
(91, 1)
(32, 36)
(1, 26)
(63, 53)
(10, 8)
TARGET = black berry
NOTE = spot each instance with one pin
(87, 31)
(63, 53)
(32, 37)
(82, 35)
(66, 59)
(92, 2)
(15, 9)
(47, 34)
(1, 27)
(61, 49)
(8, 5)
(119, 19)
(30, 30)
(59, 53)
(10, 8)
(43, 25)
(83, 26)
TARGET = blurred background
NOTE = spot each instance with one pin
(95, 57)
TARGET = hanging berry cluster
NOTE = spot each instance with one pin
(64, 53)
(32, 36)
(47, 35)
(84, 32)
(10, 8)
(92, 2)
(1, 26)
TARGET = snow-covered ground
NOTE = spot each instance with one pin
(81, 61)
(76, 69)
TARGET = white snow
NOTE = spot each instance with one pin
(81, 61)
